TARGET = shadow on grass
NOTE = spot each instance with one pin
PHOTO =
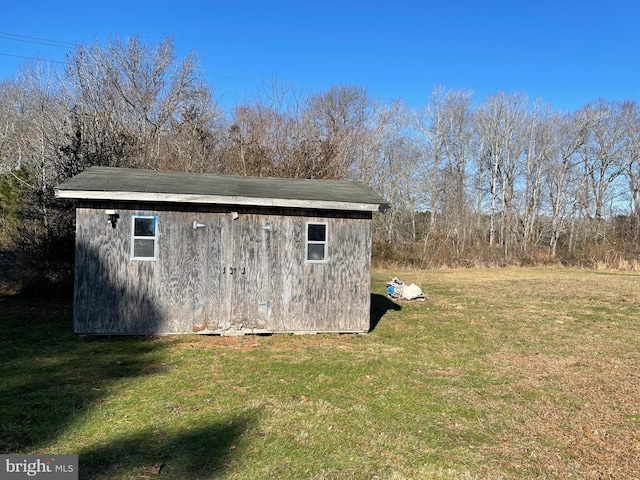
(379, 306)
(200, 453)
(51, 378)
(51, 381)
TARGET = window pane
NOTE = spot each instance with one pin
(315, 251)
(144, 227)
(317, 232)
(143, 248)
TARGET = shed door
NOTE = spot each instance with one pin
(227, 281)
(248, 275)
(210, 303)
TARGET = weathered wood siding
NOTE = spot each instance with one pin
(232, 274)
(322, 297)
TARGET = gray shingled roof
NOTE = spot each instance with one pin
(108, 183)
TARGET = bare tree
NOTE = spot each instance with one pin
(495, 180)
(281, 133)
(37, 119)
(399, 179)
(631, 118)
(561, 170)
(194, 143)
(541, 147)
(253, 140)
(499, 123)
(267, 136)
(447, 123)
(13, 176)
(12, 122)
(603, 165)
(338, 119)
(138, 91)
(607, 161)
(43, 128)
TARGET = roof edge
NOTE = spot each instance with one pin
(217, 199)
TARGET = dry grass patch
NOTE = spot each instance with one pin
(500, 374)
(566, 344)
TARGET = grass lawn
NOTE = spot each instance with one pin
(501, 373)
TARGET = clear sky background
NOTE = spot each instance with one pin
(568, 52)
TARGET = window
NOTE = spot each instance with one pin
(144, 239)
(317, 242)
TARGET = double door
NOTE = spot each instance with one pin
(233, 294)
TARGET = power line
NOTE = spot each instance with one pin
(37, 40)
(31, 58)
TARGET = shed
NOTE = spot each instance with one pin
(168, 252)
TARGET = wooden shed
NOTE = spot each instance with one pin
(167, 252)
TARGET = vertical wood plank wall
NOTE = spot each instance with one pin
(189, 288)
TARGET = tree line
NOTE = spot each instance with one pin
(498, 181)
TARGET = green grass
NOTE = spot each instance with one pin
(501, 373)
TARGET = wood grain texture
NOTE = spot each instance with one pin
(250, 292)
(190, 287)
(286, 264)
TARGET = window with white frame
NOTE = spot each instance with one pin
(144, 241)
(317, 242)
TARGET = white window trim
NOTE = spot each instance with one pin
(308, 242)
(154, 238)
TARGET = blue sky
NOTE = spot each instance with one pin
(567, 52)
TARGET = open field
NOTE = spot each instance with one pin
(500, 374)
